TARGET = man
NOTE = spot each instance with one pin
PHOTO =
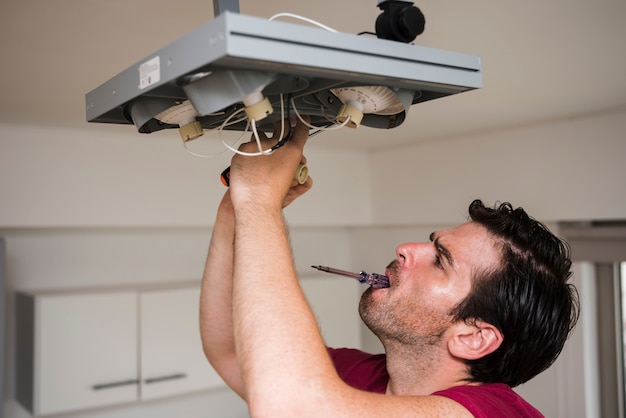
(477, 310)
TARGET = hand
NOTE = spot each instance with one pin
(269, 179)
(296, 190)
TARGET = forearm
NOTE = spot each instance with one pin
(285, 366)
(274, 326)
(216, 322)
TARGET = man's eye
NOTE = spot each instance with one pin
(438, 261)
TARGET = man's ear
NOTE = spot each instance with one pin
(474, 341)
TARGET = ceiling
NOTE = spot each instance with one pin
(542, 60)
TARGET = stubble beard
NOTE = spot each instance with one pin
(397, 322)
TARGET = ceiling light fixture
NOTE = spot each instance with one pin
(242, 63)
(360, 100)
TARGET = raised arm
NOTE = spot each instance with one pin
(269, 309)
(216, 323)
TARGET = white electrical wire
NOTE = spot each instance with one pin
(306, 19)
(258, 142)
(319, 128)
(227, 122)
(195, 154)
(252, 124)
(255, 135)
(257, 138)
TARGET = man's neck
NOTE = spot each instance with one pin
(417, 371)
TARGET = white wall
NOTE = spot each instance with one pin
(108, 206)
(565, 170)
(113, 176)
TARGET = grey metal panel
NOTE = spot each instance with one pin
(312, 39)
(233, 41)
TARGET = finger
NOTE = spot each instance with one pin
(297, 190)
(300, 133)
(302, 188)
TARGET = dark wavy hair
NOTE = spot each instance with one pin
(527, 297)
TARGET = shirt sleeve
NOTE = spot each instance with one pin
(491, 400)
(361, 370)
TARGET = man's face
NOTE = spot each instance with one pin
(426, 281)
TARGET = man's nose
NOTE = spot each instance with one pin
(411, 253)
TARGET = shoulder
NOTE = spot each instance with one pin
(361, 370)
(491, 400)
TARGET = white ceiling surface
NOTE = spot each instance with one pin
(542, 60)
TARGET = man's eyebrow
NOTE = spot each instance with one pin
(441, 249)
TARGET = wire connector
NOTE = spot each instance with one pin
(257, 106)
(191, 131)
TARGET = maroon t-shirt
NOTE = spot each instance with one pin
(368, 372)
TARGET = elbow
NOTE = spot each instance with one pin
(217, 351)
(225, 363)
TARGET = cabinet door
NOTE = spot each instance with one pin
(86, 351)
(172, 360)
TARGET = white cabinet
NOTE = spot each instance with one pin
(64, 367)
(85, 350)
(172, 360)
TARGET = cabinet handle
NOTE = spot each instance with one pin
(165, 378)
(115, 384)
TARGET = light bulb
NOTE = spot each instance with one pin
(359, 100)
(184, 115)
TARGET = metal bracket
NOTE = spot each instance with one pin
(220, 6)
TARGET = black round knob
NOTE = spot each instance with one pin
(400, 21)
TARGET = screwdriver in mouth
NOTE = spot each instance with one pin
(373, 279)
